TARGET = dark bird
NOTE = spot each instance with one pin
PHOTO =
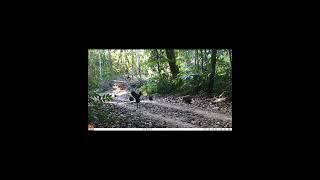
(150, 98)
(187, 99)
(131, 98)
(136, 96)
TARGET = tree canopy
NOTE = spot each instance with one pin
(165, 70)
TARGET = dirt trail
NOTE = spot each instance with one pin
(197, 111)
(158, 113)
(176, 122)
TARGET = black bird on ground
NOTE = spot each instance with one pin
(187, 99)
(150, 98)
(136, 96)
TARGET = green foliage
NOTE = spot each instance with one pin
(159, 84)
(222, 84)
(191, 83)
(95, 101)
(194, 70)
(223, 79)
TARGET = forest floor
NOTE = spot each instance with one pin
(164, 111)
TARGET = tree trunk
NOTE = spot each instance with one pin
(158, 61)
(196, 58)
(213, 70)
(139, 68)
(201, 53)
(205, 58)
(132, 66)
(128, 62)
(110, 65)
(230, 55)
(120, 58)
(172, 63)
(100, 65)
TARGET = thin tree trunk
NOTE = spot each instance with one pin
(110, 64)
(132, 65)
(120, 58)
(100, 64)
(201, 52)
(158, 61)
(127, 62)
(205, 57)
(139, 68)
(230, 55)
(196, 58)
